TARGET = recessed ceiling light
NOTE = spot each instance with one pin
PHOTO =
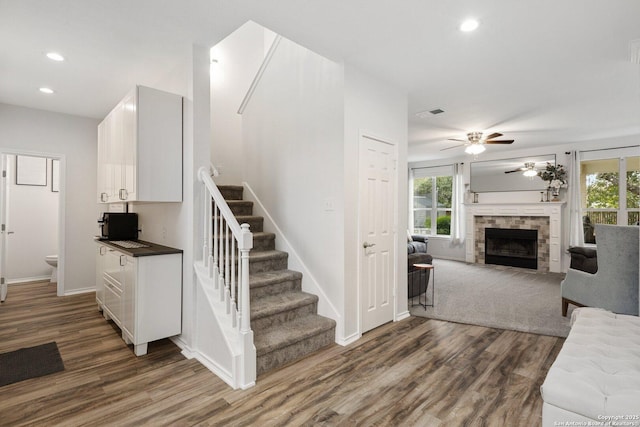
(46, 90)
(469, 25)
(54, 56)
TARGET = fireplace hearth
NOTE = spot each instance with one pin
(511, 247)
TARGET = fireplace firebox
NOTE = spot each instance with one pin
(511, 247)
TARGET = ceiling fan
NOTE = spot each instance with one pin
(529, 169)
(475, 142)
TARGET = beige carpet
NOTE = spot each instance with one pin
(495, 296)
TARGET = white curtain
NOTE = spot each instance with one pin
(576, 231)
(457, 202)
(411, 225)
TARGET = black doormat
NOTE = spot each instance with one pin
(29, 362)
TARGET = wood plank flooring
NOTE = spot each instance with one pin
(415, 372)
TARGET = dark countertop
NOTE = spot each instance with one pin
(153, 249)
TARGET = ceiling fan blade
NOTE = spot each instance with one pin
(455, 146)
(502, 141)
(494, 135)
(460, 140)
(515, 170)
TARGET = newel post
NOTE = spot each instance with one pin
(245, 243)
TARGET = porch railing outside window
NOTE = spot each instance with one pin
(610, 190)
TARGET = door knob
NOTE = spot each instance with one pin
(368, 245)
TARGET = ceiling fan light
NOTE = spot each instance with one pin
(530, 173)
(474, 149)
(469, 25)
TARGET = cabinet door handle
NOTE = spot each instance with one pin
(125, 260)
(123, 194)
(103, 250)
(104, 197)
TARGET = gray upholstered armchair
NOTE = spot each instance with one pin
(614, 286)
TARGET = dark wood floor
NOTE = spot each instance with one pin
(414, 372)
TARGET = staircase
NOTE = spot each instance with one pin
(284, 320)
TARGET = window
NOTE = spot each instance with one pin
(610, 187)
(432, 195)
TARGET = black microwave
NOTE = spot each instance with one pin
(119, 226)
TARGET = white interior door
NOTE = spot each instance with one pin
(376, 258)
(3, 230)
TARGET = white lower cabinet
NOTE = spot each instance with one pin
(143, 296)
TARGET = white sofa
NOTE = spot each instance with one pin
(596, 376)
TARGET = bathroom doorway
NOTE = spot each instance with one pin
(30, 227)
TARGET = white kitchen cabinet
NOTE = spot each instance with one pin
(140, 149)
(143, 296)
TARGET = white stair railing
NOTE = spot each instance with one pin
(225, 256)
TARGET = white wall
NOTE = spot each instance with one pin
(441, 247)
(74, 138)
(32, 217)
(239, 57)
(293, 136)
(376, 109)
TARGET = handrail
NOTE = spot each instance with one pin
(258, 76)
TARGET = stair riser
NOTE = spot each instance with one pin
(267, 265)
(264, 243)
(241, 209)
(285, 316)
(231, 193)
(295, 351)
(255, 224)
(238, 207)
(276, 288)
(260, 243)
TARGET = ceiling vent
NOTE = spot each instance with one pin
(634, 51)
(425, 114)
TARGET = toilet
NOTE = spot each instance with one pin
(52, 260)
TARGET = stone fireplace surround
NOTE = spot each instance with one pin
(539, 223)
(546, 217)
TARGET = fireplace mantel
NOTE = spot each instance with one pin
(552, 210)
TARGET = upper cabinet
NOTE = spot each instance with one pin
(140, 149)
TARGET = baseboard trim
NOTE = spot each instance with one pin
(348, 340)
(28, 279)
(79, 291)
(402, 316)
(186, 351)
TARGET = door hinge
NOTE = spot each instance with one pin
(3, 227)
(1, 280)
(4, 174)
